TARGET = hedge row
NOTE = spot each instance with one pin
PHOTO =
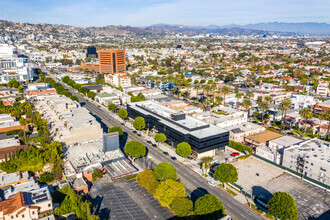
(240, 147)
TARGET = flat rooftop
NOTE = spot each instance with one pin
(264, 136)
(287, 141)
(186, 125)
(248, 126)
(315, 148)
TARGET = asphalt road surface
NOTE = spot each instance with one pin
(193, 181)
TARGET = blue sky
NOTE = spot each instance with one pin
(146, 12)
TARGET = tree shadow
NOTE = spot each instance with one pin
(262, 196)
(123, 140)
(324, 216)
(104, 214)
(197, 193)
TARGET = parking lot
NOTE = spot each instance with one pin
(255, 172)
(125, 200)
(262, 179)
(312, 201)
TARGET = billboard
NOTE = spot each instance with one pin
(110, 142)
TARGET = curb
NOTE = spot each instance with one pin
(253, 210)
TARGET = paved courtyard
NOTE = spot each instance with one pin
(255, 172)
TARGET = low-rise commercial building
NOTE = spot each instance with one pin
(178, 127)
(68, 121)
(238, 132)
(323, 89)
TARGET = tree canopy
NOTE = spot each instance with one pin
(91, 94)
(160, 138)
(226, 173)
(118, 129)
(183, 149)
(46, 177)
(283, 206)
(135, 149)
(112, 107)
(169, 190)
(181, 206)
(147, 180)
(209, 204)
(164, 171)
(122, 113)
(139, 123)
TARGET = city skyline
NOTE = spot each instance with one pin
(144, 13)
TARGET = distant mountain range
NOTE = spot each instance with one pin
(119, 30)
(299, 28)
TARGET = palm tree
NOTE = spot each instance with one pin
(284, 106)
(197, 87)
(305, 114)
(247, 104)
(225, 91)
(214, 87)
(268, 99)
(207, 89)
(238, 96)
(23, 123)
(219, 100)
(188, 86)
(327, 117)
(263, 106)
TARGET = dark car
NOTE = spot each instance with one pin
(166, 153)
(173, 158)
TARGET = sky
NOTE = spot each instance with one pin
(86, 13)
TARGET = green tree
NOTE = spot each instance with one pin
(181, 206)
(118, 129)
(139, 123)
(305, 114)
(147, 180)
(83, 90)
(74, 98)
(283, 206)
(91, 94)
(160, 138)
(23, 123)
(94, 217)
(284, 106)
(225, 91)
(209, 205)
(135, 149)
(20, 89)
(226, 173)
(122, 113)
(46, 177)
(97, 173)
(263, 106)
(164, 171)
(112, 107)
(169, 190)
(65, 79)
(183, 149)
(13, 83)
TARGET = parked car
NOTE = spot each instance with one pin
(211, 183)
(234, 154)
(166, 153)
(173, 158)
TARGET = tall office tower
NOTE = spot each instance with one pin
(112, 61)
(91, 52)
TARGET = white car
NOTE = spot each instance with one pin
(211, 183)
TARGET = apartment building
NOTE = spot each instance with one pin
(310, 158)
(323, 88)
(118, 80)
(27, 205)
